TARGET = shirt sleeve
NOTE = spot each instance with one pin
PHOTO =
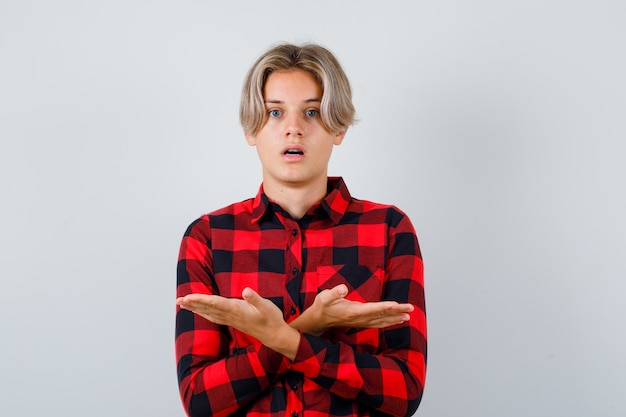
(212, 380)
(391, 380)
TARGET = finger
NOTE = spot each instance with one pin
(386, 311)
(186, 302)
(405, 308)
(385, 321)
(341, 290)
(250, 295)
(195, 306)
(204, 303)
(254, 300)
(336, 293)
(395, 307)
(196, 298)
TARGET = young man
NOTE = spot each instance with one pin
(302, 300)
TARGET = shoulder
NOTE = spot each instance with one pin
(372, 211)
(221, 218)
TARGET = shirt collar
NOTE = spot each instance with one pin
(334, 204)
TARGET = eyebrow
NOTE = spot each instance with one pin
(311, 100)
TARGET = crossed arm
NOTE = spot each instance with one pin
(261, 319)
(208, 360)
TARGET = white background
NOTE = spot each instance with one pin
(498, 126)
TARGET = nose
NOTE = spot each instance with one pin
(294, 126)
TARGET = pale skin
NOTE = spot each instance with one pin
(294, 149)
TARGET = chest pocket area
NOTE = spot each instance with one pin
(364, 283)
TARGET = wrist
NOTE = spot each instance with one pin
(309, 322)
(285, 341)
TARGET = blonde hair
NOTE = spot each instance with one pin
(336, 109)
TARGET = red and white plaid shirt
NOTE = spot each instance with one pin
(370, 247)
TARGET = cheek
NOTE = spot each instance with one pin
(264, 149)
(261, 151)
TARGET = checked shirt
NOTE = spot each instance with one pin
(370, 247)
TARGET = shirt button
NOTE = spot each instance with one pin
(294, 387)
(294, 232)
(295, 271)
(292, 311)
(294, 414)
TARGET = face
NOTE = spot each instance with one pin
(293, 145)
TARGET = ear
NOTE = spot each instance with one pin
(250, 139)
(339, 138)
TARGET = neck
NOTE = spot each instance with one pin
(296, 199)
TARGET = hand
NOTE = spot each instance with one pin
(331, 309)
(253, 315)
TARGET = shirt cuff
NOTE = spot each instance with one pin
(310, 356)
(271, 362)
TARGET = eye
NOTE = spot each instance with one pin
(312, 113)
(274, 113)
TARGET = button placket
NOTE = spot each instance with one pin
(293, 265)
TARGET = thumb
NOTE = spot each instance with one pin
(341, 290)
(250, 295)
(329, 296)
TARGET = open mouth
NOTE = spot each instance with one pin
(293, 152)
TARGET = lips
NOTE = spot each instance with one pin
(293, 150)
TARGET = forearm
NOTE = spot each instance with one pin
(284, 341)
(211, 356)
(255, 325)
(391, 381)
(205, 366)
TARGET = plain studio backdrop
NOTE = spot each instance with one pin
(498, 126)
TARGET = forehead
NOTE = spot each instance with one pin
(292, 83)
